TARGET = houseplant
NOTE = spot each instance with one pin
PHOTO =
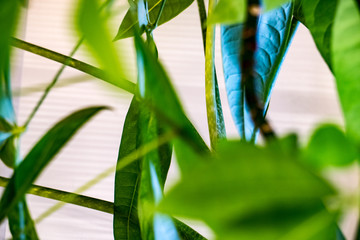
(155, 117)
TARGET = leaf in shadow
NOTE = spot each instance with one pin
(40, 155)
(171, 9)
(273, 39)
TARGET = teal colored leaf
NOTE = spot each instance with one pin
(127, 180)
(345, 47)
(329, 146)
(318, 16)
(40, 155)
(244, 188)
(157, 93)
(273, 39)
(98, 38)
(172, 8)
(20, 223)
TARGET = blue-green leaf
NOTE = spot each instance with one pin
(171, 9)
(40, 155)
(273, 39)
(345, 47)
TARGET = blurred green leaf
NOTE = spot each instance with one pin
(245, 188)
(345, 46)
(40, 155)
(20, 222)
(318, 16)
(93, 26)
(171, 9)
(157, 93)
(329, 146)
(273, 4)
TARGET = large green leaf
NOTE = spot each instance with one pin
(329, 146)
(40, 155)
(93, 26)
(273, 38)
(346, 62)
(318, 17)
(245, 188)
(171, 9)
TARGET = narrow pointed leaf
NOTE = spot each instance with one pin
(40, 155)
(245, 188)
(93, 26)
(127, 180)
(273, 39)
(345, 59)
(158, 93)
(171, 9)
(318, 16)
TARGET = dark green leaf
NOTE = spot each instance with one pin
(126, 220)
(98, 38)
(172, 9)
(157, 93)
(345, 60)
(273, 39)
(20, 222)
(186, 232)
(40, 155)
(329, 146)
(318, 17)
(245, 188)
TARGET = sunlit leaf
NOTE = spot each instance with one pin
(318, 17)
(345, 46)
(40, 155)
(171, 9)
(273, 39)
(245, 188)
(93, 26)
(329, 146)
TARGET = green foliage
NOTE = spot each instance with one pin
(329, 146)
(172, 9)
(256, 188)
(40, 155)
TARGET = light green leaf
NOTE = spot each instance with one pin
(345, 48)
(318, 17)
(40, 155)
(272, 4)
(229, 12)
(245, 188)
(329, 146)
(93, 26)
(171, 9)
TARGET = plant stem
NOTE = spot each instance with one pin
(247, 64)
(68, 197)
(213, 104)
(159, 14)
(71, 62)
(202, 14)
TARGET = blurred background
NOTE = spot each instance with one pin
(304, 96)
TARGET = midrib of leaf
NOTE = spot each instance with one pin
(131, 207)
(137, 21)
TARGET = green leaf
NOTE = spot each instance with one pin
(20, 222)
(329, 146)
(156, 92)
(318, 16)
(40, 155)
(126, 220)
(97, 36)
(245, 188)
(345, 48)
(186, 232)
(172, 8)
(273, 4)
(275, 29)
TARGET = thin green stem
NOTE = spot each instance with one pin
(71, 62)
(159, 14)
(68, 197)
(53, 82)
